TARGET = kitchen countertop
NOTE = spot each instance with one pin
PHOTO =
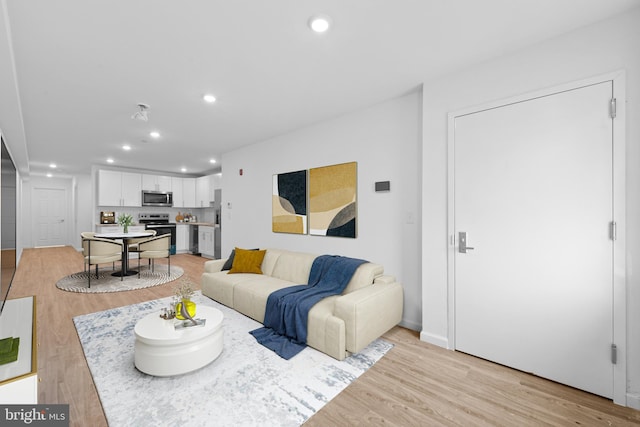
(117, 225)
(205, 224)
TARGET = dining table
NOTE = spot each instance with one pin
(126, 238)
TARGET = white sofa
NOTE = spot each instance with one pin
(338, 325)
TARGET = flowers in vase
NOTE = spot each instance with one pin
(184, 290)
(185, 308)
(125, 220)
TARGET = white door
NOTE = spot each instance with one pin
(534, 193)
(50, 216)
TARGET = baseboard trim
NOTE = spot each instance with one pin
(633, 400)
(438, 340)
(410, 325)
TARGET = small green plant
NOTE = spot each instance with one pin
(125, 220)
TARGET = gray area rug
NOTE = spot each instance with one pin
(77, 282)
(247, 385)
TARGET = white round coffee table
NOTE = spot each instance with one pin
(161, 350)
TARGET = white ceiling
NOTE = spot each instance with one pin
(83, 65)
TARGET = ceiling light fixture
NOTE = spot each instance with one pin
(183, 169)
(209, 98)
(319, 23)
(110, 160)
(212, 161)
(154, 134)
(142, 113)
(53, 166)
(126, 147)
(49, 175)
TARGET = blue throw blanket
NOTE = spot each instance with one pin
(287, 310)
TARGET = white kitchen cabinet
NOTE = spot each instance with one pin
(156, 183)
(206, 237)
(109, 188)
(217, 181)
(178, 194)
(131, 189)
(119, 188)
(189, 192)
(184, 192)
(202, 192)
(214, 182)
(205, 187)
(182, 238)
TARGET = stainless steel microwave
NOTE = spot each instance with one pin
(157, 198)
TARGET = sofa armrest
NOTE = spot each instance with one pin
(214, 265)
(384, 279)
(369, 312)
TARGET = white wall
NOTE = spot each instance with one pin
(609, 46)
(385, 141)
(85, 220)
(9, 212)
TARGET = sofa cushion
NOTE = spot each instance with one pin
(294, 267)
(219, 286)
(269, 261)
(229, 262)
(250, 297)
(247, 261)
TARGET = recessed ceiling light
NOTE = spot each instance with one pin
(109, 160)
(53, 166)
(49, 175)
(183, 169)
(209, 98)
(319, 23)
(126, 147)
(212, 161)
(154, 134)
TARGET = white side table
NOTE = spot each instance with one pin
(161, 350)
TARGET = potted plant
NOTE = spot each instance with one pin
(125, 220)
(183, 293)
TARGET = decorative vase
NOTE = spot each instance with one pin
(189, 305)
(126, 228)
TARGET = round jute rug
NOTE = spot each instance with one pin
(78, 282)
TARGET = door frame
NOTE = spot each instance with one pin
(619, 204)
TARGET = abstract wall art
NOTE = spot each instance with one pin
(333, 201)
(289, 203)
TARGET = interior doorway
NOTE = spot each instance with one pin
(533, 189)
(50, 216)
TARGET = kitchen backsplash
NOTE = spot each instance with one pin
(202, 214)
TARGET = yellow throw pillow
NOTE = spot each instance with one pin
(247, 261)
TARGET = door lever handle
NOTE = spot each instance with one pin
(462, 243)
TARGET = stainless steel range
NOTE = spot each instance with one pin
(160, 223)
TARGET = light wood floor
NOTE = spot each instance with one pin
(415, 384)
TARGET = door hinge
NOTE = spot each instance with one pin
(614, 354)
(612, 108)
(613, 230)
